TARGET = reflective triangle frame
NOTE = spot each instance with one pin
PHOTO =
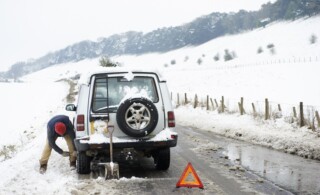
(190, 184)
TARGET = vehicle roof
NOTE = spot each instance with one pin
(85, 78)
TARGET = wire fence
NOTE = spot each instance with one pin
(293, 60)
(298, 114)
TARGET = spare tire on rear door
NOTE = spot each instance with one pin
(137, 117)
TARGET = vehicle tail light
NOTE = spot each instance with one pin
(171, 120)
(174, 136)
(80, 122)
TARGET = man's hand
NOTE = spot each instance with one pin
(65, 154)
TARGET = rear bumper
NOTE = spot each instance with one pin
(142, 144)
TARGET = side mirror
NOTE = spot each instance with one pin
(71, 107)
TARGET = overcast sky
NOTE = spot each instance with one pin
(32, 28)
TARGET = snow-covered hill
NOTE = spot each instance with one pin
(288, 76)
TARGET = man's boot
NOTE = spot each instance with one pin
(73, 165)
(43, 168)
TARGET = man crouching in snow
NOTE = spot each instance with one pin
(58, 126)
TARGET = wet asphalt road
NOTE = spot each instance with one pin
(225, 166)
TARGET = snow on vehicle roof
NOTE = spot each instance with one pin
(85, 77)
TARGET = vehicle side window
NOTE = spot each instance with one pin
(99, 94)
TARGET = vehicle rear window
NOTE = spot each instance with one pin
(109, 92)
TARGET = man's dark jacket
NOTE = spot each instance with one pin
(52, 135)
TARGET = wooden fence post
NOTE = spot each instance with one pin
(279, 107)
(185, 98)
(195, 101)
(216, 103)
(266, 109)
(171, 96)
(254, 110)
(212, 103)
(241, 106)
(208, 102)
(240, 109)
(301, 115)
(294, 112)
(222, 104)
(318, 118)
(312, 125)
(178, 101)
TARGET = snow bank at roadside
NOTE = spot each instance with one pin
(276, 134)
(25, 108)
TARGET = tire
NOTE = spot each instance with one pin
(162, 159)
(83, 163)
(137, 117)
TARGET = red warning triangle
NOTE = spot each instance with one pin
(189, 178)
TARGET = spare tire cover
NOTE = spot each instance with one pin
(137, 117)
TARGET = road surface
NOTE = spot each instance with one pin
(224, 166)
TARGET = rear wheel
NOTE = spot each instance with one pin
(83, 163)
(162, 159)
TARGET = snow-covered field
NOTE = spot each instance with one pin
(287, 77)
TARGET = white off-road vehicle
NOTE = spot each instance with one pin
(136, 105)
